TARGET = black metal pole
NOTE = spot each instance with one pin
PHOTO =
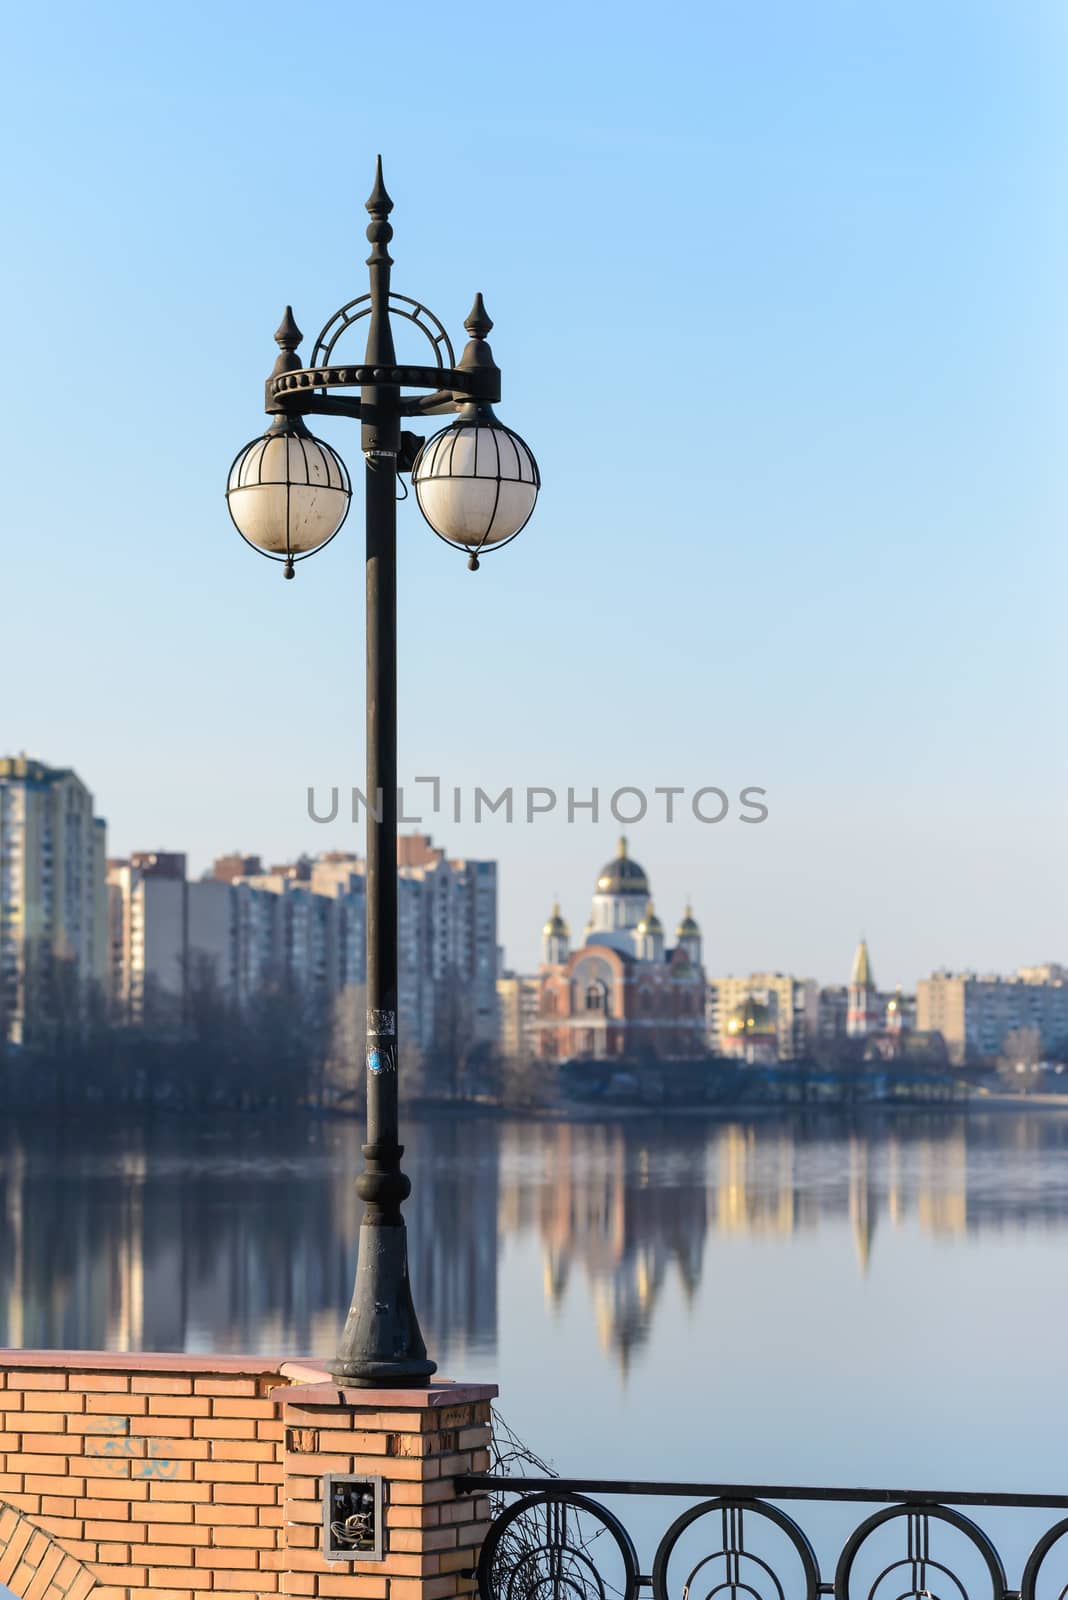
(381, 1342)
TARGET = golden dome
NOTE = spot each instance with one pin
(623, 876)
(687, 928)
(752, 1016)
(556, 927)
(650, 923)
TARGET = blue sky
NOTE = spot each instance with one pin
(779, 302)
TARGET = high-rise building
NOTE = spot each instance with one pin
(235, 865)
(148, 938)
(448, 936)
(305, 924)
(53, 901)
(517, 1016)
(975, 1014)
(833, 1015)
(786, 1006)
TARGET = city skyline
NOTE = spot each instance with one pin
(259, 867)
(842, 578)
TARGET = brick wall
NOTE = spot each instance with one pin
(167, 1477)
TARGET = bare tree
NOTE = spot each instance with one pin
(344, 1081)
(448, 1059)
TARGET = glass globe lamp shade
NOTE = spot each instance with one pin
(476, 483)
(288, 493)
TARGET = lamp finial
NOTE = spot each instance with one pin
(287, 334)
(379, 203)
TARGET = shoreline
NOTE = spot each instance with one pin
(578, 1112)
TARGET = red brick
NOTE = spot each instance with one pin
(53, 1402)
(230, 1557)
(161, 1427)
(184, 1533)
(179, 1404)
(114, 1554)
(120, 1489)
(458, 1560)
(37, 1380)
(64, 1528)
(422, 1540)
(162, 1511)
(359, 1588)
(242, 1450)
(413, 1517)
(245, 1583)
(69, 1488)
(157, 1384)
(37, 1463)
(225, 1516)
(186, 1492)
(53, 1442)
(46, 1569)
(225, 1386)
(425, 1589)
(228, 1406)
(100, 1382)
(223, 1428)
(244, 1494)
(158, 1555)
(56, 1505)
(105, 1510)
(104, 1405)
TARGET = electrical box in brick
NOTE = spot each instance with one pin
(352, 1517)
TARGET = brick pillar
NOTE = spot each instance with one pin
(419, 1441)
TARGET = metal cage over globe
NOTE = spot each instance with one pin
(476, 483)
(288, 493)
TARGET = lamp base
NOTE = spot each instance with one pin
(381, 1345)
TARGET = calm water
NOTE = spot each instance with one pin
(883, 1302)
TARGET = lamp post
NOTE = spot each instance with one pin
(288, 494)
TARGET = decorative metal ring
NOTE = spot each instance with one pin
(566, 1568)
(732, 1529)
(1038, 1555)
(955, 1519)
(425, 320)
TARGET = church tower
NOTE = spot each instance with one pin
(621, 892)
(897, 1020)
(555, 940)
(688, 935)
(649, 937)
(863, 1015)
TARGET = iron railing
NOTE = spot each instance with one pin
(556, 1541)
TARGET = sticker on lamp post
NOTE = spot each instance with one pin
(381, 1058)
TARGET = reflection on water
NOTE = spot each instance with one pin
(241, 1235)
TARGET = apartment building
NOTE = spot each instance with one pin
(303, 922)
(53, 900)
(974, 1014)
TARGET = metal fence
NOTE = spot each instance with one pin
(552, 1539)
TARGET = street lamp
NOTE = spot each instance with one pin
(288, 494)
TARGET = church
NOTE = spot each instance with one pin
(622, 994)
